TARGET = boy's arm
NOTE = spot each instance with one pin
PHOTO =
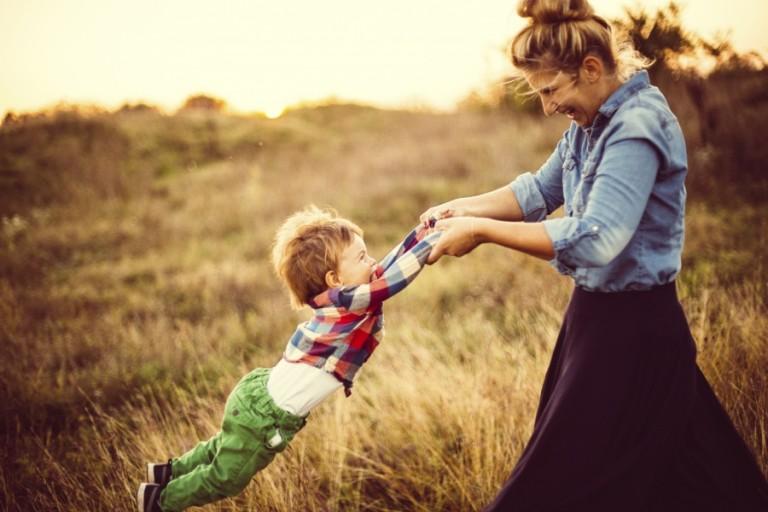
(411, 239)
(400, 267)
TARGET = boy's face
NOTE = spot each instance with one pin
(355, 265)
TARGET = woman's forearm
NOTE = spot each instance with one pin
(500, 204)
(530, 238)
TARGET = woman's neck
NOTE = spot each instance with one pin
(609, 86)
(604, 88)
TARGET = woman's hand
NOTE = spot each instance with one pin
(442, 211)
(457, 239)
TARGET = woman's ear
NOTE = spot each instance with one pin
(332, 279)
(592, 68)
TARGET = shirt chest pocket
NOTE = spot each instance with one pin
(570, 181)
(583, 187)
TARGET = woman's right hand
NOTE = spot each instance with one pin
(446, 210)
(457, 239)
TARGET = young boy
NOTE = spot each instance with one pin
(323, 260)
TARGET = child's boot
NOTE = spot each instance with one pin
(159, 473)
(149, 497)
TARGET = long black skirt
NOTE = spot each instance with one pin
(627, 421)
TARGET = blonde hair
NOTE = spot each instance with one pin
(561, 33)
(308, 245)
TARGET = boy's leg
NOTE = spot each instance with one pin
(201, 454)
(245, 445)
(241, 455)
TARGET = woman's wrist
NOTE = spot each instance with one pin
(480, 229)
(463, 207)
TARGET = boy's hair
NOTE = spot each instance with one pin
(307, 246)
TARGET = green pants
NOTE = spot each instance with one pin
(253, 430)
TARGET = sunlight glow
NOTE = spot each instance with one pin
(274, 112)
(256, 55)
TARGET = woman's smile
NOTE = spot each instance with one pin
(567, 111)
(573, 95)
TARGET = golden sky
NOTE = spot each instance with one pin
(263, 55)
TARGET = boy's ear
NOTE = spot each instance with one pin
(332, 279)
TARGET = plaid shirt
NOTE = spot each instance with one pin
(348, 321)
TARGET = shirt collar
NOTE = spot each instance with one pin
(636, 82)
(321, 300)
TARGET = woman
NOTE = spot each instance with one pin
(626, 420)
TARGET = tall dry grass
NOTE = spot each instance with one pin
(126, 318)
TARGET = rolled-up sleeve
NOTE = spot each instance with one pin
(622, 185)
(541, 193)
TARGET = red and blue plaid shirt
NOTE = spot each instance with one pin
(348, 321)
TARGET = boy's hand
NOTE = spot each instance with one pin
(458, 238)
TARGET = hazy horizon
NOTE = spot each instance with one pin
(261, 57)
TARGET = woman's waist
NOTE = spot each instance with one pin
(639, 267)
(630, 309)
(621, 280)
(635, 292)
(641, 311)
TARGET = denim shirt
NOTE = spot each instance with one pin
(621, 182)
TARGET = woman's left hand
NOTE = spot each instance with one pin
(457, 239)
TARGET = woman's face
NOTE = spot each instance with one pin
(573, 95)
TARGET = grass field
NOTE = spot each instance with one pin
(135, 290)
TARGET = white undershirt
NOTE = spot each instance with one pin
(299, 387)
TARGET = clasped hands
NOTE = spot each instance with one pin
(458, 227)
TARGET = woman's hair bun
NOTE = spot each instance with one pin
(555, 11)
